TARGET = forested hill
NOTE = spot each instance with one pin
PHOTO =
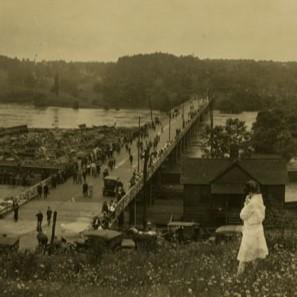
(162, 80)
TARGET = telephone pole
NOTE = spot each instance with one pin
(183, 115)
(211, 127)
(146, 159)
(169, 129)
(138, 145)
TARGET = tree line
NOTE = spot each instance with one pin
(159, 80)
(274, 132)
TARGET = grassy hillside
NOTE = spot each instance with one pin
(197, 269)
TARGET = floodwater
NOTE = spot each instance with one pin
(248, 117)
(61, 117)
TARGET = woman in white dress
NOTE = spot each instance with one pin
(253, 244)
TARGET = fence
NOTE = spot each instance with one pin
(22, 198)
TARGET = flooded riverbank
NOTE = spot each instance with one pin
(249, 117)
(61, 117)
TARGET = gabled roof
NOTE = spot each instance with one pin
(267, 172)
(202, 171)
(234, 167)
(205, 171)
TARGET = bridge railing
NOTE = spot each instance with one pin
(132, 192)
(23, 197)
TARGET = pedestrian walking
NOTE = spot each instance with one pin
(45, 191)
(15, 211)
(49, 215)
(104, 208)
(85, 189)
(39, 216)
(98, 167)
(105, 173)
(84, 175)
(131, 159)
(39, 190)
(42, 240)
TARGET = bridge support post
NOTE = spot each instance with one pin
(121, 220)
(178, 150)
(149, 193)
(186, 140)
(183, 144)
(132, 212)
(156, 182)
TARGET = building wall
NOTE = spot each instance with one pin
(273, 195)
(170, 178)
(197, 203)
(203, 207)
(292, 174)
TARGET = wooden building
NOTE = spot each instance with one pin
(213, 188)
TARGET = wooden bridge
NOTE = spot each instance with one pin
(173, 148)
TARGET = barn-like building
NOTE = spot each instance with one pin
(213, 188)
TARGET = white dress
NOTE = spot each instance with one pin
(253, 244)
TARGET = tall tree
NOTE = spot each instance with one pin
(225, 139)
(271, 134)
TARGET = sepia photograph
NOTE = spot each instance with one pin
(148, 148)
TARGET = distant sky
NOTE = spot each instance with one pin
(103, 30)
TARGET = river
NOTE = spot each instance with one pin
(248, 117)
(61, 117)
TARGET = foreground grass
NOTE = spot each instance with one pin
(197, 269)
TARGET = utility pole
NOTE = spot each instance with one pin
(54, 227)
(53, 232)
(146, 159)
(211, 127)
(138, 148)
(135, 211)
(169, 130)
(183, 115)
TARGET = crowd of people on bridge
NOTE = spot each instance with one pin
(102, 161)
(144, 141)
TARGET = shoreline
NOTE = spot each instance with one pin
(83, 106)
